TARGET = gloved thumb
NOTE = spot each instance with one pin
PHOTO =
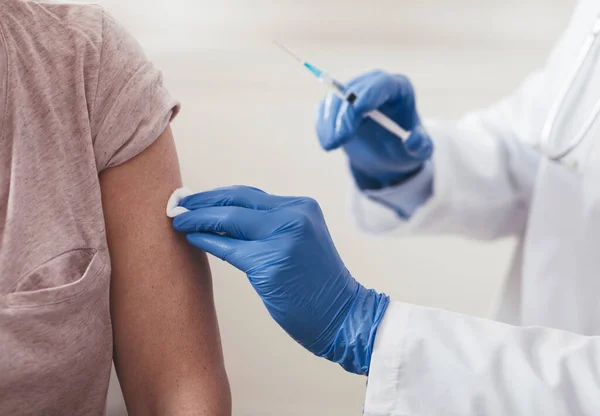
(419, 145)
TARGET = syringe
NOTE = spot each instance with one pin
(340, 90)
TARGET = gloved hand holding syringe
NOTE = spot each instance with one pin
(374, 119)
(339, 89)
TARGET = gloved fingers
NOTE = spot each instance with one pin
(223, 247)
(362, 77)
(338, 120)
(377, 88)
(235, 222)
(381, 88)
(240, 196)
(419, 145)
(327, 122)
(373, 90)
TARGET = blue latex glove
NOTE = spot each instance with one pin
(284, 247)
(377, 157)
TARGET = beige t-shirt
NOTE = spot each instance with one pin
(77, 96)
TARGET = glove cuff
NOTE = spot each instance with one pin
(352, 346)
(366, 181)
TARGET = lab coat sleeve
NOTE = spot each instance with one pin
(433, 362)
(483, 175)
(408, 196)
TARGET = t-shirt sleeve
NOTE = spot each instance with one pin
(131, 107)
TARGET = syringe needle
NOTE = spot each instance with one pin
(286, 50)
(380, 118)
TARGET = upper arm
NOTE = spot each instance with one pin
(166, 339)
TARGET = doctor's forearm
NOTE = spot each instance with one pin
(479, 186)
(408, 196)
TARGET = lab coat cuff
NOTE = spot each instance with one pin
(427, 217)
(384, 385)
(408, 196)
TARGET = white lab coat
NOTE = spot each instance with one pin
(544, 358)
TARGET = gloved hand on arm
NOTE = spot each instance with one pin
(284, 247)
(377, 157)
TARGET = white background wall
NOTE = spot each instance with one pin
(248, 119)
